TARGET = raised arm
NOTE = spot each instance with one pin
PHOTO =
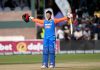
(26, 17)
(61, 19)
(37, 20)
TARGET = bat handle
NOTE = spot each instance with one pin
(71, 26)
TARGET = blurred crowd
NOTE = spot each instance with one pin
(86, 21)
(13, 4)
(85, 27)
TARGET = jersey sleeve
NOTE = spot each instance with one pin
(38, 21)
(61, 19)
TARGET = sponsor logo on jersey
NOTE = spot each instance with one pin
(48, 25)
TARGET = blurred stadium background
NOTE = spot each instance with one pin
(18, 37)
(86, 23)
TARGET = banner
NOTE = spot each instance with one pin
(24, 47)
(64, 6)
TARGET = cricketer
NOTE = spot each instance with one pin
(48, 60)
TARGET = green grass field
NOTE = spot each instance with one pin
(63, 62)
(60, 58)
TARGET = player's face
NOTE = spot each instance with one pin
(48, 15)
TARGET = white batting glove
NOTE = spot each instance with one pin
(31, 17)
(69, 15)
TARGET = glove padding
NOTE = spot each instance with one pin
(25, 17)
(69, 15)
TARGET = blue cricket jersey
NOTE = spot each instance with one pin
(49, 27)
